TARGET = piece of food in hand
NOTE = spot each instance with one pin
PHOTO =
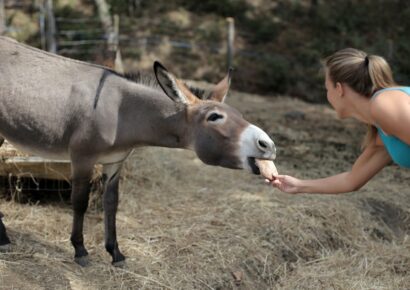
(267, 168)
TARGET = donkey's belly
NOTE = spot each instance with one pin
(55, 153)
(44, 137)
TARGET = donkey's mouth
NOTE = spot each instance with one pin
(264, 167)
(253, 166)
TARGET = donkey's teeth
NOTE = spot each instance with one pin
(267, 168)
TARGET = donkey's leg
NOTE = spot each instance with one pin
(4, 239)
(112, 177)
(80, 191)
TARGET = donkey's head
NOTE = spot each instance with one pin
(220, 135)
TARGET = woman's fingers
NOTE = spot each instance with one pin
(284, 183)
(277, 181)
(274, 182)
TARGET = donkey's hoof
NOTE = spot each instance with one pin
(118, 259)
(5, 248)
(120, 264)
(82, 261)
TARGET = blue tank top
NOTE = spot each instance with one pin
(398, 150)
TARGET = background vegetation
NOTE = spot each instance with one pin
(279, 44)
(289, 37)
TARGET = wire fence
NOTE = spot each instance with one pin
(93, 39)
(86, 41)
(200, 48)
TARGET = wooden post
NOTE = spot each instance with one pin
(118, 66)
(105, 17)
(2, 18)
(51, 27)
(108, 57)
(104, 14)
(231, 37)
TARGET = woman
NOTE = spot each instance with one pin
(361, 86)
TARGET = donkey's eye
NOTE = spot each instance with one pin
(214, 116)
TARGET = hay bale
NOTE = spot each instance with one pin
(17, 164)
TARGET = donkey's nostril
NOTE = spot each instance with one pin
(267, 147)
(263, 144)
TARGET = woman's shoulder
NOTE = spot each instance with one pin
(390, 96)
(388, 105)
(392, 91)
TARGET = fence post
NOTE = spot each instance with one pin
(231, 37)
(2, 18)
(51, 27)
(105, 18)
(111, 54)
(118, 66)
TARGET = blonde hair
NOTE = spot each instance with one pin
(365, 74)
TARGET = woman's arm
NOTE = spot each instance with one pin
(369, 163)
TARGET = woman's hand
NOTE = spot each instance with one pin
(371, 161)
(285, 183)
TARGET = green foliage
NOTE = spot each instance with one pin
(304, 34)
(280, 43)
(290, 38)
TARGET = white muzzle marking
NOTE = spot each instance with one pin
(254, 142)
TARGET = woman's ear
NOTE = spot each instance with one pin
(340, 89)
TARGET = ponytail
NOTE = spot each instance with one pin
(380, 73)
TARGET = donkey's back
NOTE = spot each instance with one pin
(31, 72)
(43, 97)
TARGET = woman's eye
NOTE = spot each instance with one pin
(214, 116)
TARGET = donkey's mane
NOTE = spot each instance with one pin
(149, 80)
(143, 78)
(200, 93)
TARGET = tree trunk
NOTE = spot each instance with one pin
(111, 33)
(106, 21)
(2, 18)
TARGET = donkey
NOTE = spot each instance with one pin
(65, 109)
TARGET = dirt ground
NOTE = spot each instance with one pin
(185, 225)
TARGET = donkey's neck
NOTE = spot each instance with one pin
(148, 117)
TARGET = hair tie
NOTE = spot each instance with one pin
(366, 60)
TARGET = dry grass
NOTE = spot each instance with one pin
(184, 225)
(7, 151)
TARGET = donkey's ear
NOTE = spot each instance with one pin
(171, 86)
(220, 90)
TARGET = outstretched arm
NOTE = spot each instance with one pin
(369, 163)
